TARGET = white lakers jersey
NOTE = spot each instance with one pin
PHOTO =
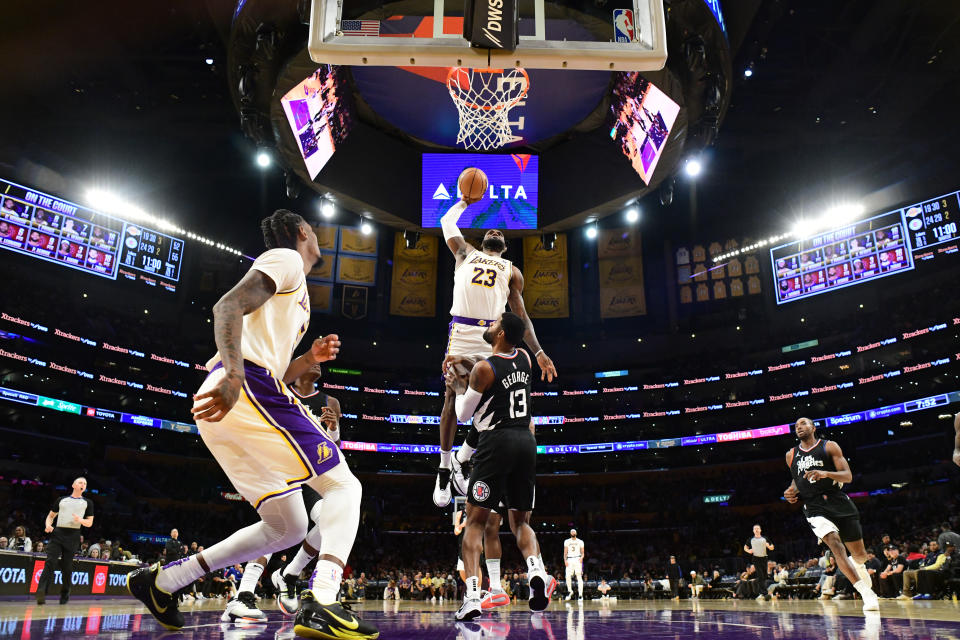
(272, 332)
(481, 285)
(573, 549)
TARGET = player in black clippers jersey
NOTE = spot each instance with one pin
(819, 472)
(498, 400)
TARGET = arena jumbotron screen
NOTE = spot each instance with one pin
(512, 192)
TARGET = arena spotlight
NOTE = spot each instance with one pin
(693, 167)
(366, 228)
(748, 72)
(591, 231)
(548, 240)
(410, 239)
(326, 209)
(633, 214)
(263, 158)
(209, 60)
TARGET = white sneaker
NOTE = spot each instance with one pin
(457, 478)
(441, 495)
(538, 593)
(870, 601)
(469, 610)
(569, 596)
(286, 586)
(759, 597)
(243, 608)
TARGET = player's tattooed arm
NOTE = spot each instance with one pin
(253, 290)
(515, 299)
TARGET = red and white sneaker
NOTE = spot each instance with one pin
(493, 599)
(551, 586)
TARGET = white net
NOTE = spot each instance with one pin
(484, 98)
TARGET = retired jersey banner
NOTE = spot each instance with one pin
(326, 236)
(323, 270)
(413, 290)
(546, 292)
(620, 271)
(357, 270)
(352, 240)
(321, 297)
(699, 279)
(354, 303)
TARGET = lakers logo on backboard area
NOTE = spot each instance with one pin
(481, 491)
(324, 452)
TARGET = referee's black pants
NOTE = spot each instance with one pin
(760, 564)
(62, 555)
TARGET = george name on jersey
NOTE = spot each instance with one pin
(514, 377)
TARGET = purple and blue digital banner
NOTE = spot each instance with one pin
(510, 201)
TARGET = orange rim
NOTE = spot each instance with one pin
(506, 105)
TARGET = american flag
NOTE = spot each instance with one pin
(360, 28)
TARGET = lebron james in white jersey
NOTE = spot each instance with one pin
(484, 283)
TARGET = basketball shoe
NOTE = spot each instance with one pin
(286, 587)
(142, 585)
(331, 621)
(441, 491)
(243, 608)
(538, 592)
(460, 476)
(470, 609)
(493, 599)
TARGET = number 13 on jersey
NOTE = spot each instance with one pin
(518, 404)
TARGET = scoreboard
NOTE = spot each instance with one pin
(846, 256)
(933, 223)
(59, 231)
(886, 244)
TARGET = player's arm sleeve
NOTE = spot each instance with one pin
(467, 404)
(283, 266)
(448, 221)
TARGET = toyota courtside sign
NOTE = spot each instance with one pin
(20, 576)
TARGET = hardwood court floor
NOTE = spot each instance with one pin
(124, 618)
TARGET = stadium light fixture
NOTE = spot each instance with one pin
(327, 209)
(591, 231)
(263, 158)
(366, 228)
(693, 167)
(633, 214)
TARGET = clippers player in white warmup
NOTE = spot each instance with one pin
(484, 283)
(573, 560)
(498, 399)
(265, 440)
(819, 472)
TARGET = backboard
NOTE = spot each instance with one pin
(618, 35)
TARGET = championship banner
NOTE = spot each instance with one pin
(353, 241)
(354, 304)
(321, 297)
(323, 270)
(326, 236)
(413, 290)
(620, 269)
(357, 270)
(545, 285)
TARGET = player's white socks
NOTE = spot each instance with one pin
(178, 574)
(861, 570)
(493, 568)
(251, 575)
(464, 453)
(325, 582)
(473, 588)
(299, 561)
(535, 566)
(445, 459)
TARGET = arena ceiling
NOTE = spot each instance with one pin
(846, 100)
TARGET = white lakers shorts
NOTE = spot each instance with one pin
(466, 340)
(269, 443)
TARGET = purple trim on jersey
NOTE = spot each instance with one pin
(276, 495)
(175, 563)
(473, 322)
(321, 454)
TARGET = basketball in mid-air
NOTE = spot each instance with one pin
(472, 183)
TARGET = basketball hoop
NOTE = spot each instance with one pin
(484, 98)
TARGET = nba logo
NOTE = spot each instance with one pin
(623, 25)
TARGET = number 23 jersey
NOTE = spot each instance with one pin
(481, 285)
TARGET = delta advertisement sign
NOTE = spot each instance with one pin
(510, 201)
